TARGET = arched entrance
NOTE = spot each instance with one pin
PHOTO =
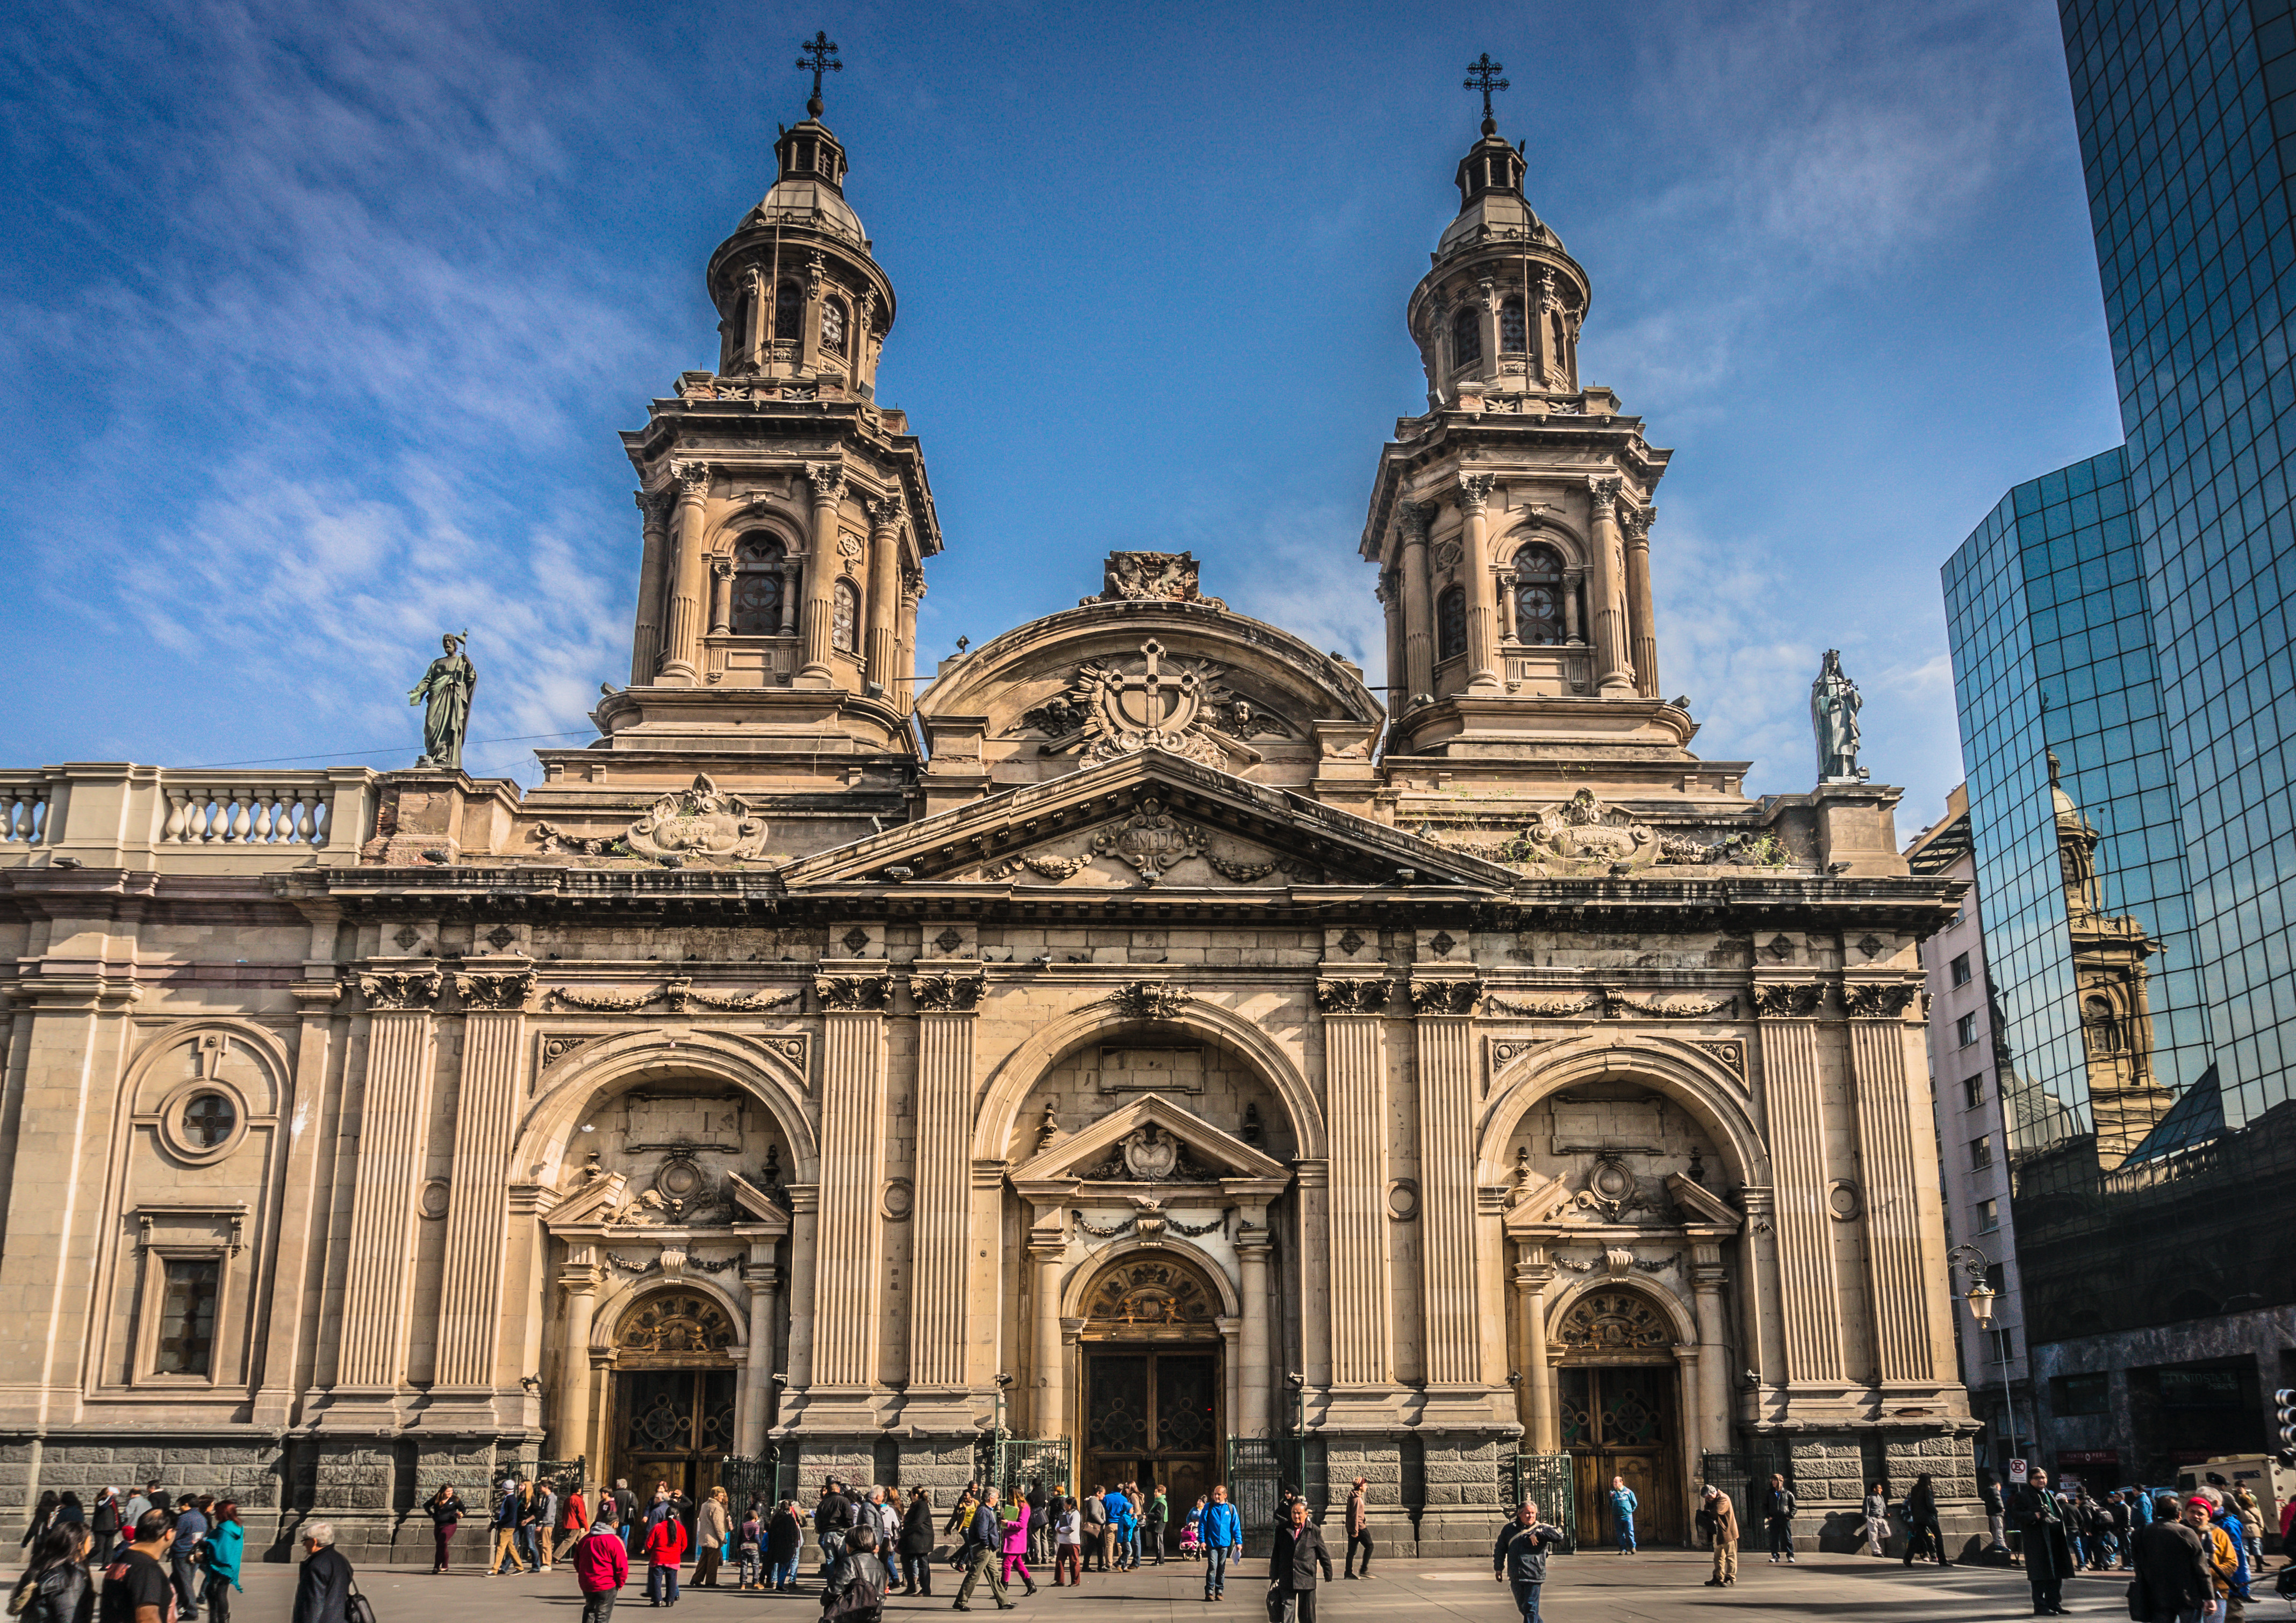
(1619, 1408)
(1152, 1351)
(676, 1384)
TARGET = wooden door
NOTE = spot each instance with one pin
(1152, 1416)
(1618, 1421)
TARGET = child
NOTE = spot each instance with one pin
(1192, 1531)
(1068, 1546)
(752, 1535)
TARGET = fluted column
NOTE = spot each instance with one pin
(804, 1235)
(849, 1275)
(828, 482)
(645, 648)
(486, 1120)
(1608, 580)
(1418, 612)
(1795, 1103)
(579, 1281)
(1640, 605)
(1482, 615)
(721, 597)
(1389, 593)
(393, 1122)
(689, 578)
(1449, 1308)
(941, 1227)
(1251, 1346)
(884, 591)
(1051, 1403)
(1531, 1277)
(1890, 1150)
(764, 1281)
(1355, 1078)
(1707, 1278)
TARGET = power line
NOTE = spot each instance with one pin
(387, 749)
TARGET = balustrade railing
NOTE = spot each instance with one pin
(25, 805)
(118, 814)
(285, 811)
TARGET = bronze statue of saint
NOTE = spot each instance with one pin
(448, 685)
(1833, 705)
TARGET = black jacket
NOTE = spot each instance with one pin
(1779, 1503)
(784, 1535)
(323, 1588)
(2172, 1573)
(1522, 1552)
(447, 1514)
(917, 1528)
(1298, 1552)
(833, 1514)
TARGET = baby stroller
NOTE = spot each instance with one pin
(1192, 1536)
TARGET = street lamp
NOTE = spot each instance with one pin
(1972, 1265)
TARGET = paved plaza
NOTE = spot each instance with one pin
(1583, 1587)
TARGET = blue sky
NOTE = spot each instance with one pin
(317, 324)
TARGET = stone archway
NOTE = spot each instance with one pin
(1621, 1408)
(1152, 1356)
(676, 1355)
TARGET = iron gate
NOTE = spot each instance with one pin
(1745, 1476)
(1259, 1469)
(1552, 1480)
(1022, 1460)
(747, 1477)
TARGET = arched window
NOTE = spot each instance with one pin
(845, 618)
(833, 325)
(789, 310)
(758, 586)
(1451, 624)
(1467, 335)
(1510, 327)
(737, 329)
(1538, 588)
(2103, 1029)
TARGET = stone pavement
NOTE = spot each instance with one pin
(1612, 1588)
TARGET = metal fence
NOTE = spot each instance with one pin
(1020, 1461)
(1745, 1475)
(747, 1477)
(1259, 1469)
(564, 1475)
(1552, 1480)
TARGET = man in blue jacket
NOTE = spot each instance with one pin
(1623, 1506)
(984, 1555)
(1223, 1535)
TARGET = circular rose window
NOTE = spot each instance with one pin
(209, 1120)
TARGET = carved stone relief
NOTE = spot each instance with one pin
(1184, 706)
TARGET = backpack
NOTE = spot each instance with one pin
(863, 1598)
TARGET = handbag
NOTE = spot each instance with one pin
(1274, 1603)
(2140, 1603)
(359, 1609)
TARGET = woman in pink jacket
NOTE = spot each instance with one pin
(1016, 1544)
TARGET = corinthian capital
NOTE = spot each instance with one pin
(1414, 519)
(885, 513)
(693, 479)
(1475, 492)
(1604, 494)
(654, 505)
(827, 479)
(1637, 522)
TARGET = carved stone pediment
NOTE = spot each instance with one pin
(1167, 577)
(1149, 1141)
(701, 821)
(1153, 700)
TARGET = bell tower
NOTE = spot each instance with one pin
(1511, 523)
(786, 516)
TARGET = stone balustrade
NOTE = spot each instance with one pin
(118, 815)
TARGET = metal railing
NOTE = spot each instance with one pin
(1551, 1479)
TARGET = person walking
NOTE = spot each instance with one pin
(749, 1543)
(854, 1586)
(1016, 1546)
(573, 1522)
(322, 1588)
(710, 1526)
(446, 1510)
(1067, 1555)
(1039, 1524)
(2174, 1582)
(1623, 1506)
(103, 1523)
(1223, 1541)
(506, 1531)
(884, 1508)
(785, 1543)
(220, 1555)
(1095, 1528)
(2220, 1552)
(916, 1543)
(1298, 1556)
(44, 1517)
(55, 1586)
(1519, 1558)
(1778, 1507)
(1722, 1521)
(2234, 1585)
(1359, 1526)
(602, 1566)
(665, 1550)
(1877, 1520)
(191, 1532)
(137, 1588)
(546, 1503)
(1120, 1524)
(984, 1547)
(2040, 1523)
(1922, 1523)
(2124, 1525)
(1988, 1491)
(832, 1520)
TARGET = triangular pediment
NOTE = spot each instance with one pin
(1147, 820)
(1699, 1204)
(1091, 1153)
(593, 1203)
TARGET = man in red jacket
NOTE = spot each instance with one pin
(665, 1548)
(602, 1566)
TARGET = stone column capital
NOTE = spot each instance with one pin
(692, 480)
(761, 1276)
(655, 505)
(884, 514)
(828, 482)
(1475, 492)
(1413, 517)
(1603, 492)
(1708, 1278)
(721, 568)
(579, 1279)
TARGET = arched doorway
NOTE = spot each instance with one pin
(676, 1384)
(1152, 1351)
(1621, 1408)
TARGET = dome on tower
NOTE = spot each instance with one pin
(808, 191)
(1491, 206)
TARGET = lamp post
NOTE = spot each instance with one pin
(1972, 1265)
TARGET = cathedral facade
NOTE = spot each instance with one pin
(1136, 1043)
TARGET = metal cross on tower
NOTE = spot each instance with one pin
(821, 50)
(1483, 75)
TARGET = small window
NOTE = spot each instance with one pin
(1467, 335)
(2079, 1395)
(209, 1120)
(1972, 1090)
(1965, 1030)
(1510, 327)
(758, 587)
(1538, 596)
(833, 325)
(789, 310)
(1959, 969)
(187, 1310)
(845, 618)
(1981, 1152)
(1989, 1217)
(2004, 1342)
(1451, 624)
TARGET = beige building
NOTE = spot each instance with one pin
(1136, 1036)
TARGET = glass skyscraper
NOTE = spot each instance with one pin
(2128, 696)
